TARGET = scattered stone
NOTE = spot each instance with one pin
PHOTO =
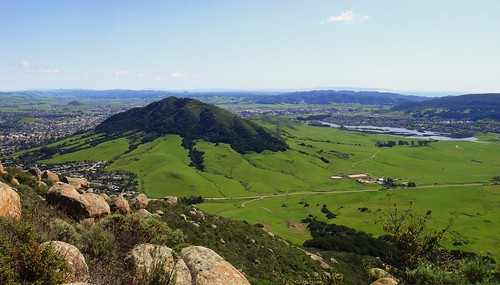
(121, 205)
(385, 281)
(75, 259)
(51, 176)
(214, 226)
(140, 202)
(377, 273)
(184, 217)
(159, 212)
(14, 181)
(149, 259)
(171, 199)
(42, 184)
(143, 212)
(10, 202)
(1, 168)
(319, 259)
(98, 207)
(208, 268)
(37, 173)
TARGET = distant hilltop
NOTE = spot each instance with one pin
(465, 107)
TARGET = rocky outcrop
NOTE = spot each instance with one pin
(385, 281)
(51, 176)
(140, 202)
(76, 260)
(78, 183)
(98, 207)
(79, 206)
(149, 260)
(121, 205)
(10, 202)
(208, 268)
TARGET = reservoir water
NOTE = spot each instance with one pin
(402, 132)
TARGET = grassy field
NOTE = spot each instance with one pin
(451, 179)
(474, 209)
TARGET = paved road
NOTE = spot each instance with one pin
(259, 197)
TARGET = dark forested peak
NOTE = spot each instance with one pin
(463, 107)
(192, 120)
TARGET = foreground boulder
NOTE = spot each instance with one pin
(10, 202)
(76, 260)
(66, 198)
(208, 268)
(156, 261)
(79, 206)
(97, 205)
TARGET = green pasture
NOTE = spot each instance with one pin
(474, 209)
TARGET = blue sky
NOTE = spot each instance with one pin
(400, 45)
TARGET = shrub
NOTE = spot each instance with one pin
(23, 261)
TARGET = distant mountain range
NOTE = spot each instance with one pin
(465, 107)
(323, 97)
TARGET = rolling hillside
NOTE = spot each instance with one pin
(465, 107)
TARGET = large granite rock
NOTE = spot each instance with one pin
(208, 268)
(76, 260)
(149, 260)
(10, 202)
(98, 207)
(79, 206)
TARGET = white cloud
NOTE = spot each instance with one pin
(177, 75)
(159, 78)
(6, 78)
(48, 71)
(122, 73)
(25, 63)
(141, 75)
(346, 17)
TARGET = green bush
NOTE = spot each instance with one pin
(23, 261)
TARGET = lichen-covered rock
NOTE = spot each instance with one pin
(149, 260)
(377, 273)
(66, 198)
(208, 268)
(75, 259)
(10, 202)
(140, 202)
(120, 205)
(98, 207)
(385, 281)
(51, 176)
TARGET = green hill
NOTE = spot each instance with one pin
(192, 119)
(465, 107)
